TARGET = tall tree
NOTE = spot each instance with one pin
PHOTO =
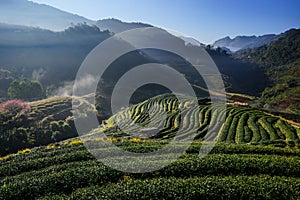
(25, 89)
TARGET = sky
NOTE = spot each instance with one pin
(204, 20)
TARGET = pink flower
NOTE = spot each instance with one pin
(15, 107)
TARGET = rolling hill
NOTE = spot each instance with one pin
(49, 120)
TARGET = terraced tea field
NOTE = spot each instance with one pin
(60, 108)
(52, 109)
(241, 125)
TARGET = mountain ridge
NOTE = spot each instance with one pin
(244, 42)
(28, 13)
(117, 26)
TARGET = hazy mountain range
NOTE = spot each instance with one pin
(27, 13)
(53, 52)
(117, 26)
(244, 42)
(30, 50)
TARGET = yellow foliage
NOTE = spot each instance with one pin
(126, 177)
(24, 151)
(112, 139)
(5, 186)
(51, 146)
(73, 142)
(19, 152)
(136, 140)
(175, 123)
(7, 156)
(98, 139)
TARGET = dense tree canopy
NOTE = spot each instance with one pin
(25, 89)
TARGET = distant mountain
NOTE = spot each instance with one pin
(27, 13)
(24, 36)
(54, 57)
(244, 42)
(31, 14)
(117, 26)
(58, 55)
(50, 57)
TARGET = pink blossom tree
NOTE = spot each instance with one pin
(15, 108)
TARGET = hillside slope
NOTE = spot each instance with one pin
(51, 120)
(28, 13)
(281, 61)
(242, 124)
(48, 121)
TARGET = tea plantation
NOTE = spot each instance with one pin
(231, 171)
(257, 157)
(241, 124)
